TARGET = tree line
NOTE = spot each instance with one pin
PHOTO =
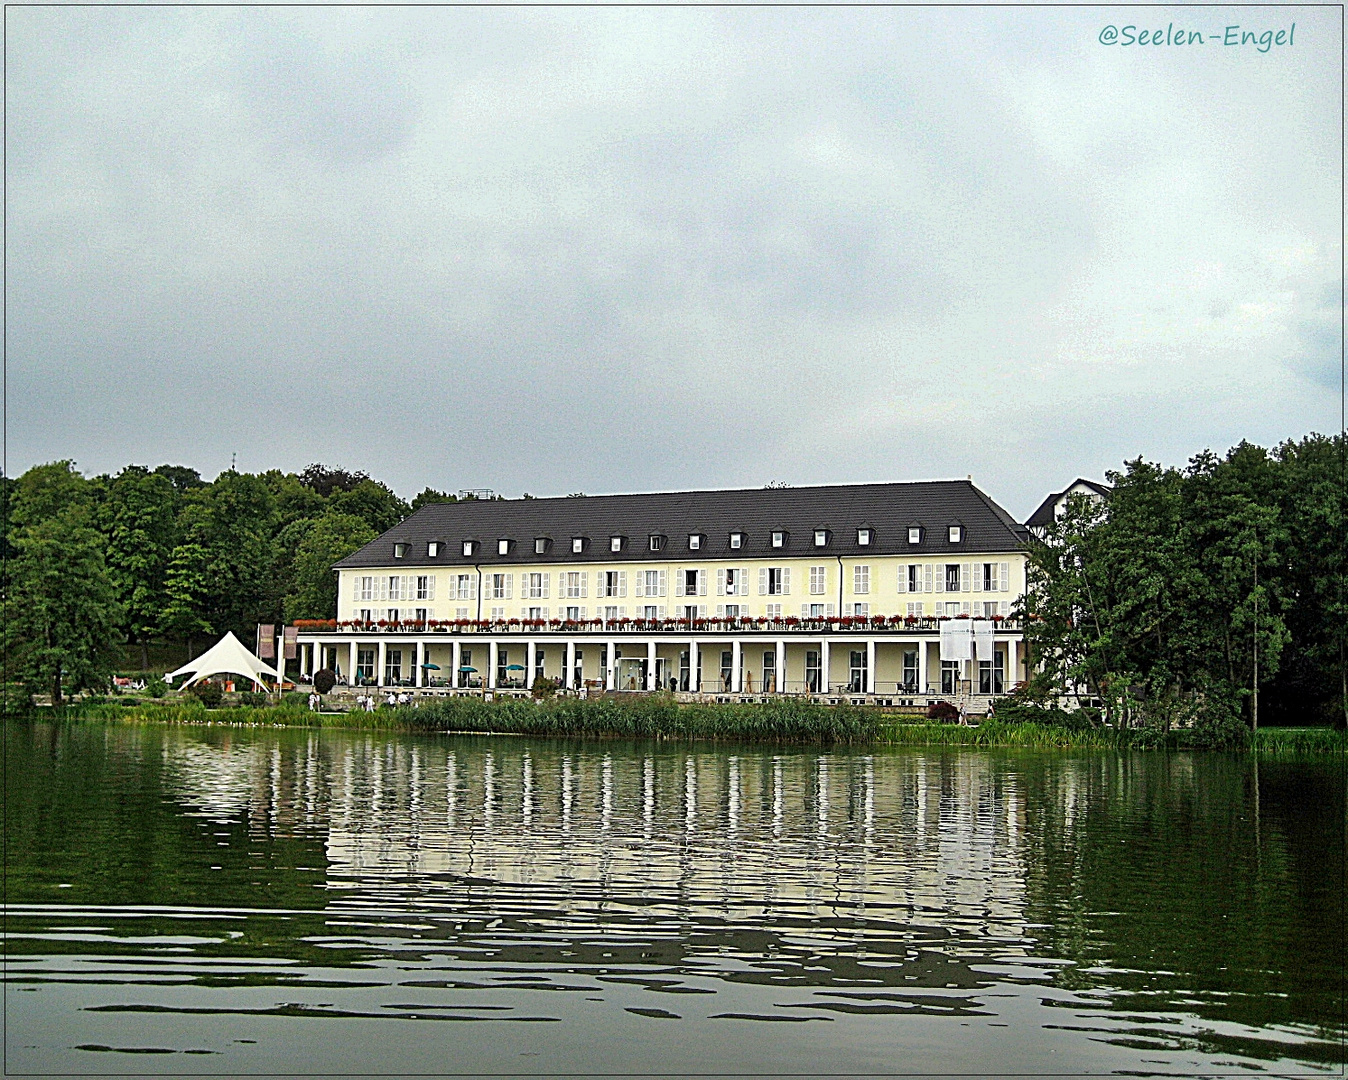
(1186, 589)
(92, 564)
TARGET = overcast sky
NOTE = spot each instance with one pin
(554, 250)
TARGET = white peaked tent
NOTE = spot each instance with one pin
(226, 657)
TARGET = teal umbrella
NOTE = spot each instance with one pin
(431, 667)
(514, 667)
(466, 667)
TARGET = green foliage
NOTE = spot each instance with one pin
(313, 589)
(373, 503)
(253, 700)
(430, 495)
(137, 516)
(210, 694)
(324, 680)
(544, 688)
(61, 610)
(1177, 580)
(156, 688)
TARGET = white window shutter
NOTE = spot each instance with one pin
(472, 588)
(545, 613)
(762, 581)
(546, 583)
(744, 581)
(828, 610)
(584, 583)
(720, 611)
(430, 586)
(903, 578)
(678, 582)
(1004, 579)
(622, 583)
(1003, 608)
(662, 611)
(804, 611)
(720, 582)
(964, 608)
(927, 578)
(702, 583)
(786, 581)
(978, 577)
(510, 586)
(940, 577)
(701, 611)
(622, 611)
(639, 585)
(664, 585)
(965, 575)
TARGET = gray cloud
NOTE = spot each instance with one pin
(561, 249)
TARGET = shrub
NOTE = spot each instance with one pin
(543, 689)
(156, 688)
(209, 694)
(253, 700)
(942, 711)
(324, 680)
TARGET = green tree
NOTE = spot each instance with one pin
(62, 615)
(373, 503)
(313, 593)
(138, 518)
(187, 594)
(430, 495)
(46, 491)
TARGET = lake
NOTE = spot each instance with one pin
(238, 901)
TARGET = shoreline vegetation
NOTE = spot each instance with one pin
(782, 723)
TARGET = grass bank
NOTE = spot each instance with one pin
(784, 722)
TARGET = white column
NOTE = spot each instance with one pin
(736, 667)
(570, 682)
(650, 665)
(418, 658)
(379, 670)
(922, 665)
(455, 658)
(351, 668)
(1012, 676)
(491, 665)
(529, 655)
(823, 666)
(781, 667)
(870, 666)
(693, 685)
(611, 672)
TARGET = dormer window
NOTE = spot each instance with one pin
(736, 541)
(577, 545)
(821, 538)
(694, 541)
(541, 545)
(914, 534)
(502, 547)
(615, 543)
(778, 538)
(433, 549)
(469, 546)
(400, 550)
(657, 541)
(956, 533)
(863, 538)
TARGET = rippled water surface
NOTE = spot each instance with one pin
(243, 901)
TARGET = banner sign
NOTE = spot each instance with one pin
(266, 641)
(290, 636)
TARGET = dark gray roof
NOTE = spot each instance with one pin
(887, 509)
(1044, 515)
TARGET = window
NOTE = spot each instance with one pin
(468, 548)
(577, 545)
(861, 580)
(651, 612)
(463, 587)
(813, 672)
(727, 669)
(535, 586)
(956, 533)
(365, 588)
(365, 615)
(433, 549)
(910, 673)
(574, 584)
(774, 611)
(394, 590)
(736, 541)
(425, 587)
(500, 586)
(608, 583)
(732, 578)
(502, 547)
(952, 608)
(863, 537)
(989, 608)
(990, 581)
(820, 537)
(856, 682)
(690, 583)
(497, 613)
(365, 665)
(778, 539)
(694, 541)
(391, 614)
(400, 550)
(770, 672)
(861, 611)
(914, 577)
(615, 543)
(775, 583)
(732, 611)
(422, 614)
(816, 611)
(914, 534)
(992, 674)
(952, 577)
(652, 583)
(502, 664)
(950, 676)
(573, 614)
(915, 607)
(656, 541)
(541, 545)
(535, 613)
(393, 667)
(610, 614)
(817, 580)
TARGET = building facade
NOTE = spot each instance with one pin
(881, 590)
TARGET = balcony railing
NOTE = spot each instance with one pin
(788, 625)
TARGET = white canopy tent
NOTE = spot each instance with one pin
(226, 657)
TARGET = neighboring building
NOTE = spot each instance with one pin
(1053, 507)
(824, 590)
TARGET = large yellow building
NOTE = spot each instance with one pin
(887, 591)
